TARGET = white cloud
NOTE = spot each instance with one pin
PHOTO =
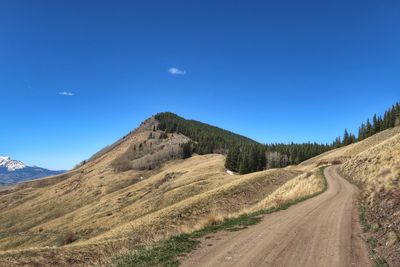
(66, 93)
(175, 71)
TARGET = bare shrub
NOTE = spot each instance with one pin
(211, 219)
(150, 154)
(163, 135)
(330, 161)
(68, 238)
(322, 162)
(151, 161)
(122, 164)
(336, 161)
(276, 159)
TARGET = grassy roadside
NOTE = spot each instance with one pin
(367, 227)
(166, 253)
(371, 240)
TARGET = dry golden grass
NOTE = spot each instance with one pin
(345, 153)
(94, 211)
(184, 195)
(94, 208)
(378, 167)
(377, 171)
(301, 186)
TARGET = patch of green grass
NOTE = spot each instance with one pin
(372, 241)
(380, 262)
(165, 253)
(231, 224)
(367, 227)
(363, 217)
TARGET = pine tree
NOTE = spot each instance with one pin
(375, 125)
(337, 143)
(244, 164)
(186, 150)
(262, 161)
(346, 138)
(361, 132)
(232, 159)
(369, 130)
(245, 155)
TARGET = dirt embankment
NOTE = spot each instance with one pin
(377, 172)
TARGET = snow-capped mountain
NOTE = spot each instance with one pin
(15, 171)
(10, 164)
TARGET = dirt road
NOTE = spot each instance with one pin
(322, 231)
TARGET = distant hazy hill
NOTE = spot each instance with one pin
(15, 171)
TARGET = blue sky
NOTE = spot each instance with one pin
(77, 75)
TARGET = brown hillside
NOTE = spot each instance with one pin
(134, 191)
(139, 190)
(377, 171)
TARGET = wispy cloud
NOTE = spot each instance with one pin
(66, 93)
(175, 71)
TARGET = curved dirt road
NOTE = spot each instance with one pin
(322, 231)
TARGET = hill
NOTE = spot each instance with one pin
(207, 138)
(377, 171)
(143, 188)
(243, 154)
(140, 188)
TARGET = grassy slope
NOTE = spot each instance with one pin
(108, 211)
(374, 165)
(374, 162)
(101, 209)
(345, 153)
(167, 252)
(197, 189)
(377, 172)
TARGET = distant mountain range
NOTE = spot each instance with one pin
(15, 171)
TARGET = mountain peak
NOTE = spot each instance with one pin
(15, 171)
(11, 164)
